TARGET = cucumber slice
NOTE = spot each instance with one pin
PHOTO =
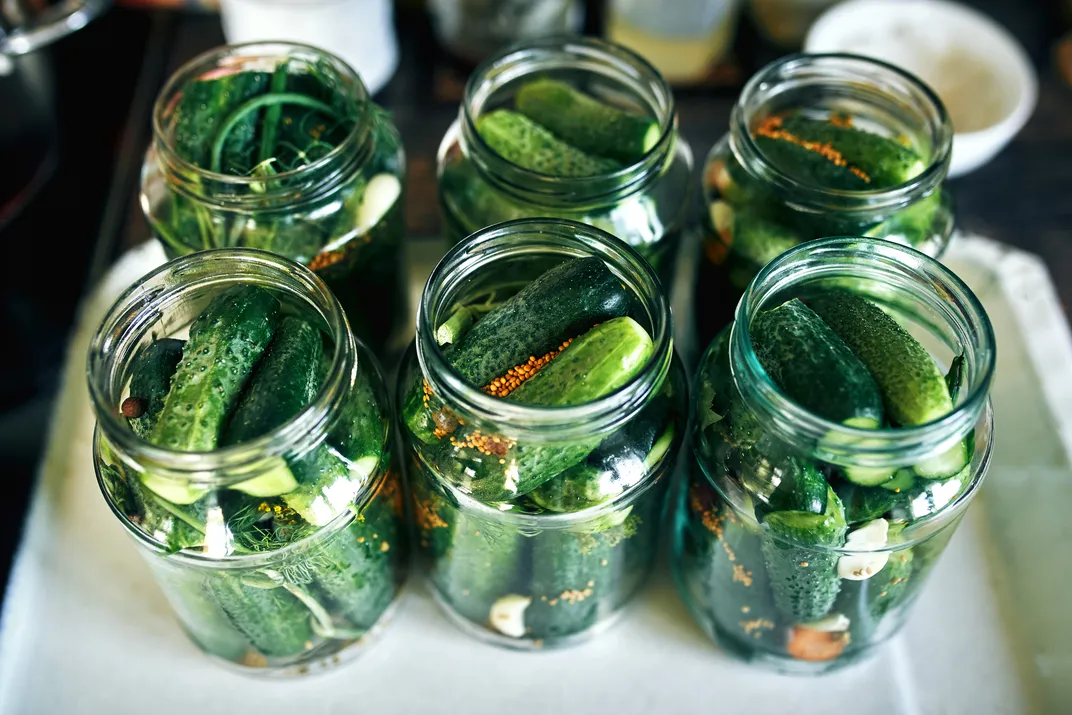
(585, 122)
(813, 366)
(521, 141)
(902, 481)
(276, 480)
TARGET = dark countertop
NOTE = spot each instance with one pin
(105, 78)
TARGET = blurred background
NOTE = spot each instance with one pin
(78, 79)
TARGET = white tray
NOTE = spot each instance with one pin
(85, 629)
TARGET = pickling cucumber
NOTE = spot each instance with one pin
(226, 341)
(274, 621)
(596, 364)
(814, 367)
(521, 141)
(283, 384)
(572, 577)
(150, 379)
(913, 225)
(804, 580)
(354, 574)
(801, 487)
(914, 390)
(864, 504)
(562, 303)
(586, 123)
(751, 237)
(883, 161)
(480, 566)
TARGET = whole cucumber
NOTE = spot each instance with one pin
(151, 371)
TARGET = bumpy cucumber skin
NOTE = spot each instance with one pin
(564, 302)
(804, 581)
(887, 163)
(276, 623)
(813, 366)
(521, 141)
(357, 574)
(809, 166)
(284, 382)
(226, 340)
(597, 363)
(913, 388)
(802, 488)
(585, 122)
(150, 379)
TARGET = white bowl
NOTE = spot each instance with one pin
(981, 73)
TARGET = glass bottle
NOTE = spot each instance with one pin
(336, 209)
(537, 524)
(818, 598)
(643, 203)
(260, 574)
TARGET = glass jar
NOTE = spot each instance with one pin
(473, 29)
(786, 22)
(284, 582)
(755, 210)
(328, 197)
(643, 203)
(553, 555)
(813, 600)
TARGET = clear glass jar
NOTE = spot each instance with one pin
(786, 22)
(545, 566)
(755, 210)
(286, 582)
(336, 209)
(776, 599)
(473, 29)
(643, 204)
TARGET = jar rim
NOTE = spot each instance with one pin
(544, 237)
(241, 55)
(866, 259)
(574, 52)
(141, 307)
(865, 71)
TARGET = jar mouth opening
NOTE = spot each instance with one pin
(841, 71)
(262, 56)
(869, 262)
(542, 238)
(143, 306)
(575, 53)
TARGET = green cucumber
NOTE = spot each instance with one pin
(804, 580)
(801, 487)
(750, 236)
(171, 526)
(274, 621)
(586, 123)
(355, 575)
(596, 364)
(573, 576)
(284, 382)
(151, 371)
(480, 565)
(621, 459)
(863, 504)
(913, 225)
(226, 341)
(814, 367)
(560, 304)
(902, 481)
(521, 141)
(361, 432)
(886, 162)
(807, 165)
(914, 390)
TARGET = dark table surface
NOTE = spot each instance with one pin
(105, 78)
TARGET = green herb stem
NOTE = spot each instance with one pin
(252, 105)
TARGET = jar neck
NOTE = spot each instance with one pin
(299, 185)
(909, 284)
(582, 58)
(873, 93)
(486, 252)
(165, 300)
